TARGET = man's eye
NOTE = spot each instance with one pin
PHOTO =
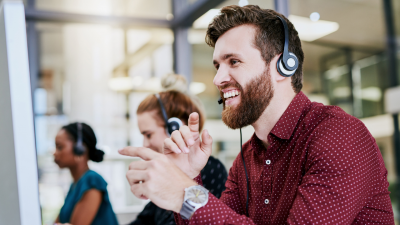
(233, 62)
(148, 136)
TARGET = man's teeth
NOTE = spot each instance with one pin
(231, 94)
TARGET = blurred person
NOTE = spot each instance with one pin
(306, 163)
(152, 126)
(87, 201)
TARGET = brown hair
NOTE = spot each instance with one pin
(176, 104)
(269, 38)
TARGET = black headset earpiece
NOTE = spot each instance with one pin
(79, 149)
(172, 123)
(287, 63)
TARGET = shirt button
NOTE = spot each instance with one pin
(266, 201)
(268, 162)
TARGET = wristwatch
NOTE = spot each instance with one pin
(195, 198)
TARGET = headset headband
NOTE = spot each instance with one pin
(286, 45)
(79, 139)
(163, 112)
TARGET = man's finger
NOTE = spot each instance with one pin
(177, 138)
(187, 135)
(138, 165)
(193, 122)
(141, 152)
(139, 190)
(206, 142)
(169, 145)
(135, 176)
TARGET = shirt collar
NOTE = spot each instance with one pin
(287, 123)
(285, 126)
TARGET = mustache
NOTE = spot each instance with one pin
(229, 85)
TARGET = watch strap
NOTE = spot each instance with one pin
(187, 210)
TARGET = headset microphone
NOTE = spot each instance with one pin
(220, 101)
(171, 124)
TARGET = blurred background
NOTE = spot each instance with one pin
(95, 60)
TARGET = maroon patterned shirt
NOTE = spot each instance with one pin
(322, 167)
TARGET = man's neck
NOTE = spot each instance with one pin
(278, 105)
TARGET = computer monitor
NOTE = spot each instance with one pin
(19, 195)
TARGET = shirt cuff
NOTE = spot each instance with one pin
(198, 179)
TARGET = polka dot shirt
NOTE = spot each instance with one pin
(322, 167)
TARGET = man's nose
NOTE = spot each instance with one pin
(222, 76)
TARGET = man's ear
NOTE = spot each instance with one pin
(275, 75)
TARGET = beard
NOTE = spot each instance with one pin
(254, 99)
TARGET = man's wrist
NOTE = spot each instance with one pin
(182, 194)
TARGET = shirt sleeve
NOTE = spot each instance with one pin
(214, 176)
(92, 181)
(343, 168)
(226, 210)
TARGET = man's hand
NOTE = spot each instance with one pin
(187, 140)
(156, 178)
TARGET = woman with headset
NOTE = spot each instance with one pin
(158, 115)
(87, 200)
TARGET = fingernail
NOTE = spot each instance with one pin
(191, 142)
(186, 150)
(120, 150)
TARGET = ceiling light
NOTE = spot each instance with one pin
(243, 3)
(121, 84)
(311, 30)
(204, 20)
(373, 94)
(341, 92)
(314, 16)
(197, 87)
(137, 81)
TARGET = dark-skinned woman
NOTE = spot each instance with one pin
(87, 201)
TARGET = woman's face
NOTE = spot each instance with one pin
(154, 134)
(64, 155)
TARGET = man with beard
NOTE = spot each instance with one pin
(305, 164)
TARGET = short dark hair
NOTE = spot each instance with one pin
(269, 38)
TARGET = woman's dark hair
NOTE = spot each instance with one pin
(88, 138)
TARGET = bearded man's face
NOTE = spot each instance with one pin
(243, 77)
(254, 99)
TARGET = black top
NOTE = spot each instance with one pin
(214, 176)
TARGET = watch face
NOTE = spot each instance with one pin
(196, 195)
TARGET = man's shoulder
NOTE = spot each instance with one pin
(320, 116)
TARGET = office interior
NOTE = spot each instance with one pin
(95, 60)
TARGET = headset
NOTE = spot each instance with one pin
(287, 65)
(79, 149)
(172, 123)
